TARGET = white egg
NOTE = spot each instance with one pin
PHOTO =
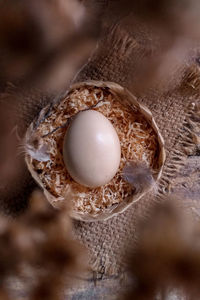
(91, 149)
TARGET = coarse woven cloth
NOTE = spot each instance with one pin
(175, 107)
(121, 51)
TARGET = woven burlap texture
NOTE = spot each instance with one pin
(115, 58)
(120, 53)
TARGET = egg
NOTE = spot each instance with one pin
(91, 149)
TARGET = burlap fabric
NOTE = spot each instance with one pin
(117, 58)
(173, 106)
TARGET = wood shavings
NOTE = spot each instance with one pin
(137, 138)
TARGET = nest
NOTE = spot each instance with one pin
(139, 138)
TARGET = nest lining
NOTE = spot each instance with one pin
(137, 138)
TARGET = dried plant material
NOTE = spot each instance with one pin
(18, 108)
(139, 143)
(163, 33)
(94, 14)
(178, 18)
(167, 255)
(41, 41)
(39, 244)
